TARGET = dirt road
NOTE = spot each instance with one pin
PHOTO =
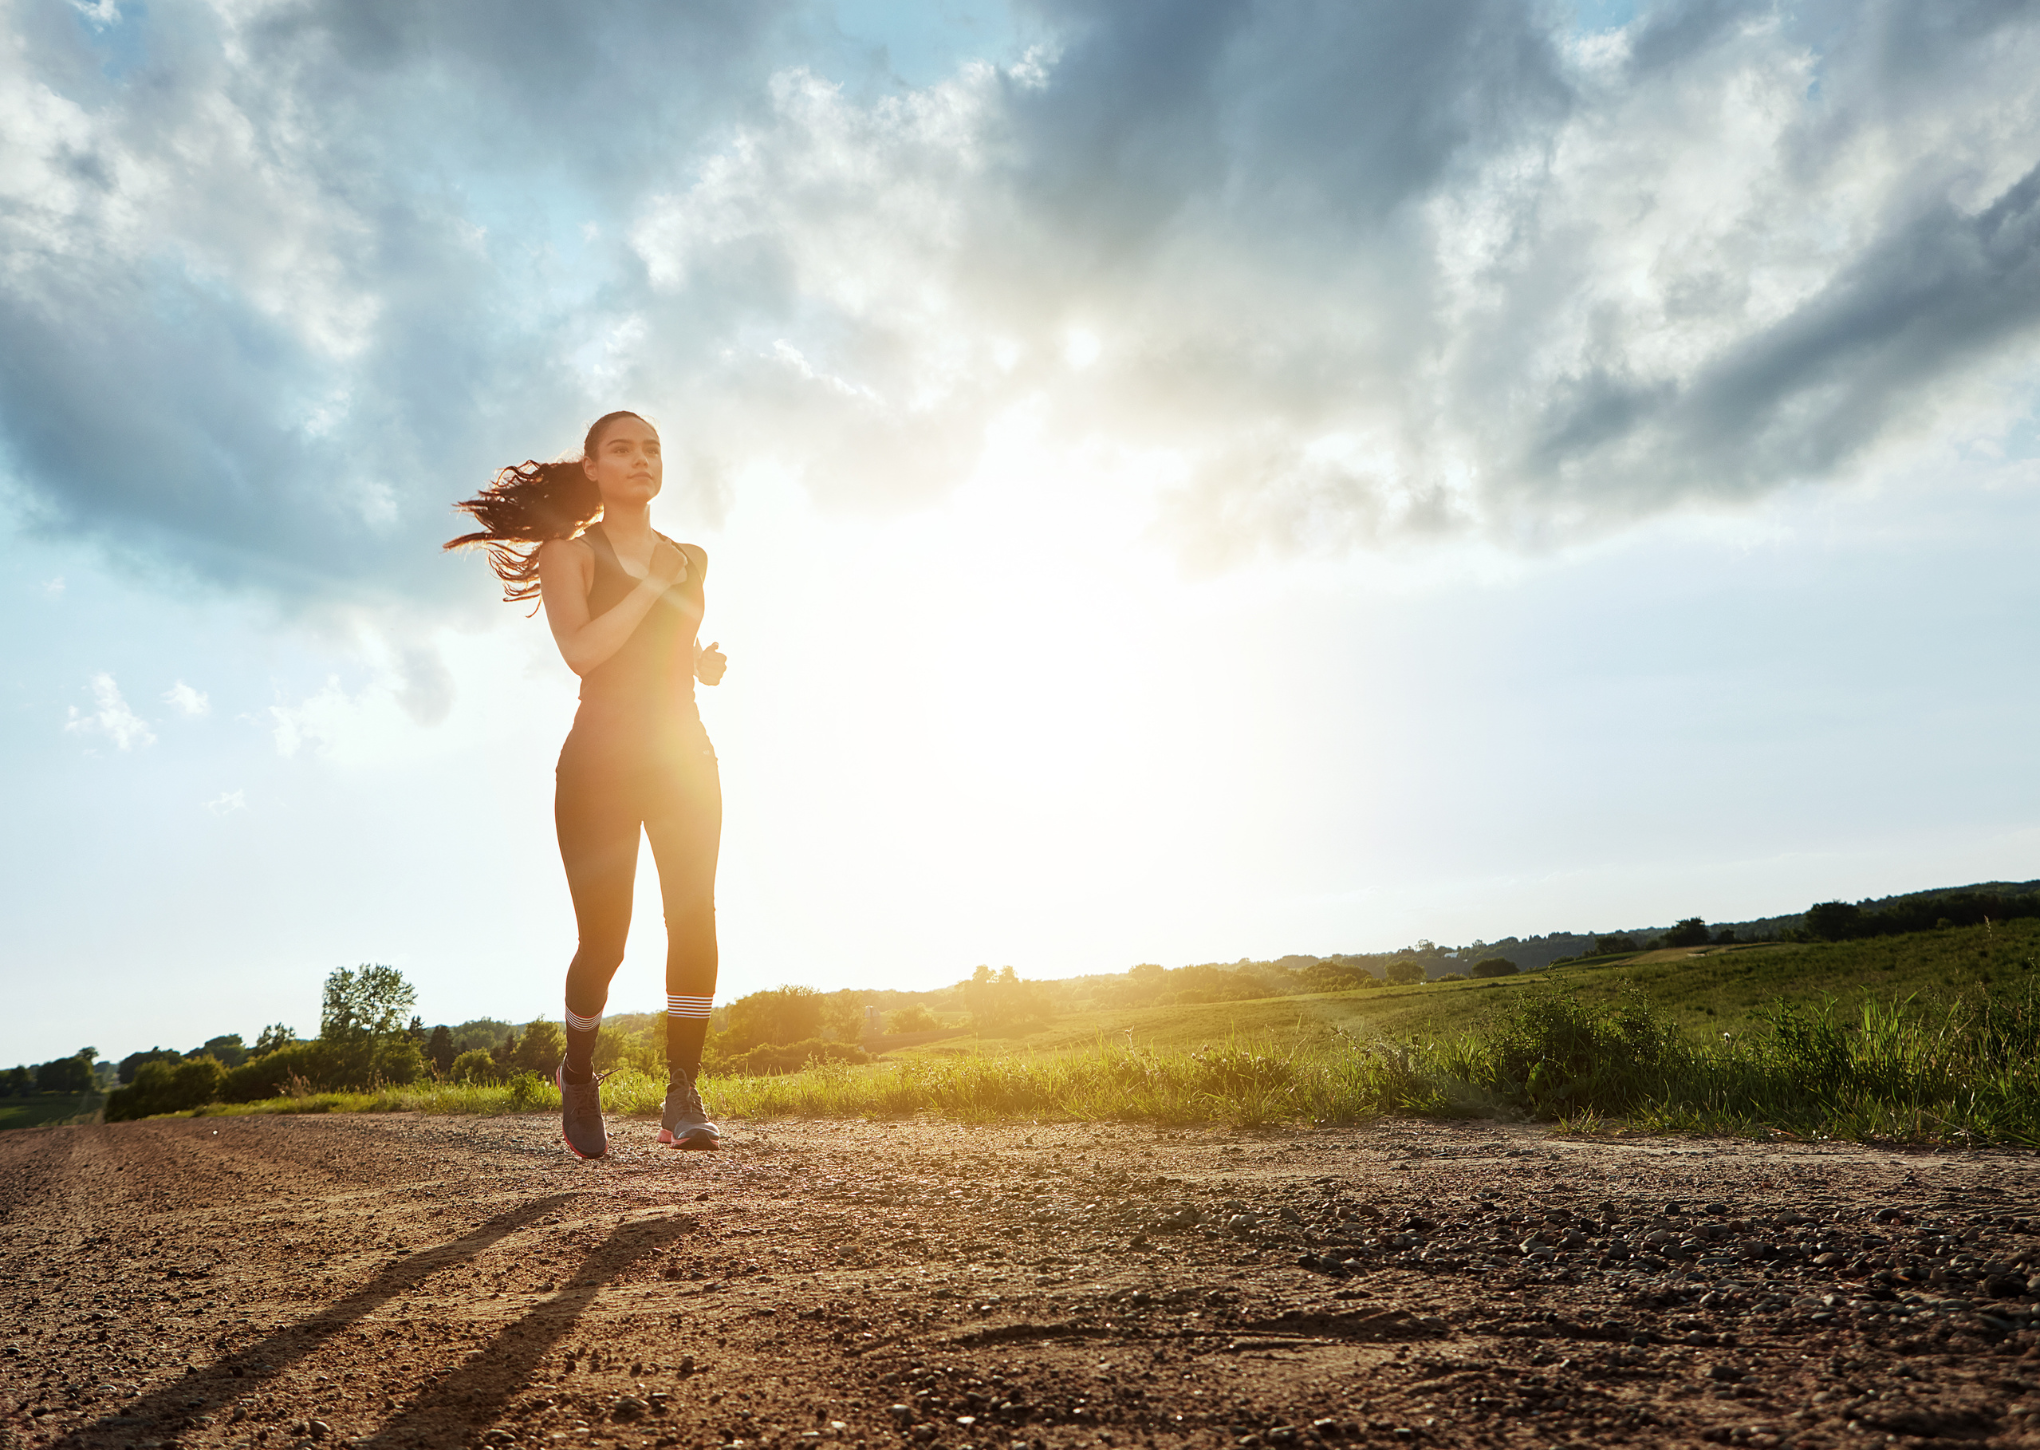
(401, 1281)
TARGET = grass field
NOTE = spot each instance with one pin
(1928, 1038)
(1704, 991)
(47, 1108)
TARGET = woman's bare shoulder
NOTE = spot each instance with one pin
(697, 557)
(575, 551)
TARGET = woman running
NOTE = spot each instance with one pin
(625, 604)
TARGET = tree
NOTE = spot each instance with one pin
(1835, 921)
(476, 1065)
(915, 1017)
(1692, 932)
(1404, 971)
(71, 1074)
(398, 1060)
(1000, 1001)
(782, 1015)
(439, 1049)
(1494, 967)
(195, 1082)
(1332, 977)
(540, 1048)
(19, 1083)
(275, 1035)
(228, 1049)
(367, 1003)
(132, 1063)
(1608, 946)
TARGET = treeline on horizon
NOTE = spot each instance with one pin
(370, 1035)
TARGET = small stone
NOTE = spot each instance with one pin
(1726, 1374)
(902, 1415)
(318, 1429)
(1720, 1210)
(626, 1408)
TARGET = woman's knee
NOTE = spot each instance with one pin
(599, 959)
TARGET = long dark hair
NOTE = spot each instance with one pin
(529, 503)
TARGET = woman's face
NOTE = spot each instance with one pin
(626, 465)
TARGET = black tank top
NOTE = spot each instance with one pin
(650, 680)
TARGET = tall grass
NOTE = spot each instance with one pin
(1961, 1070)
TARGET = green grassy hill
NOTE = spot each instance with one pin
(1705, 990)
(41, 1109)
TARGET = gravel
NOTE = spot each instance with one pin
(891, 1284)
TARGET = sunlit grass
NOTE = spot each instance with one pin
(1960, 1071)
(1928, 1039)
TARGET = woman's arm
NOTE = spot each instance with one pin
(566, 570)
(709, 663)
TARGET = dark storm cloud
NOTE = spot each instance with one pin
(282, 280)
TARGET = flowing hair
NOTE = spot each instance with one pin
(529, 503)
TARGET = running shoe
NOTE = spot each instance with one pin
(581, 1114)
(685, 1122)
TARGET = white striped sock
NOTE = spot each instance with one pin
(576, 1023)
(679, 1006)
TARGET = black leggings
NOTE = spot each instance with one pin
(603, 797)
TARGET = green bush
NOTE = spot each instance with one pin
(528, 1090)
(1494, 967)
(476, 1065)
(398, 1061)
(195, 1082)
(165, 1087)
(1555, 1053)
(293, 1067)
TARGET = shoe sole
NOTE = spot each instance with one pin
(697, 1142)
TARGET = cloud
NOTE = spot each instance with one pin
(227, 802)
(1345, 274)
(110, 717)
(190, 703)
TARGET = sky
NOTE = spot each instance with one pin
(1182, 481)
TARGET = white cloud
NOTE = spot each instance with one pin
(111, 717)
(190, 703)
(227, 802)
(1357, 273)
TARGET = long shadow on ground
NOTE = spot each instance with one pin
(229, 1379)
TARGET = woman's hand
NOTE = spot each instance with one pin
(668, 566)
(709, 664)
